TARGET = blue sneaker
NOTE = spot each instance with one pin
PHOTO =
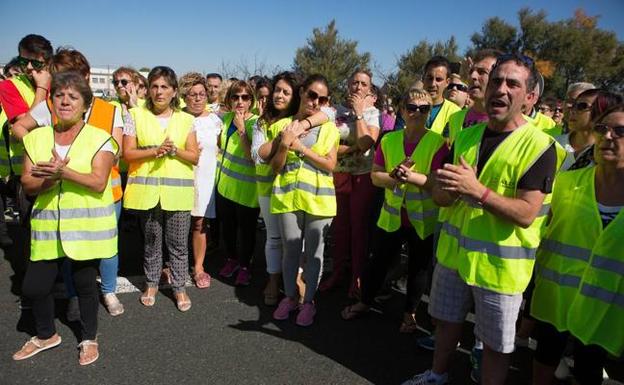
(427, 378)
(427, 342)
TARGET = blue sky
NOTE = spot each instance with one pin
(204, 36)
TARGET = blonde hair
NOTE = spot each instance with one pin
(190, 80)
(416, 94)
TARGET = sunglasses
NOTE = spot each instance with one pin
(457, 86)
(243, 97)
(617, 131)
(313, 96)
(423, 108)
(581, 106)
(36, 64)
(123, 82)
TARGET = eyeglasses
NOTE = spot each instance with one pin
(457, 86)
(124, 82)
(243, 97)
(313, 96)
(581, 106)
(36, 64)
(200, 95)
(423, 108)
(617, 131)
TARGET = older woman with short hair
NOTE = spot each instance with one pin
(207, 127)
(161, 149)
(68, 168)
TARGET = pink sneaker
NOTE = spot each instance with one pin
(243, 277)
(306, 314)
(230, 267)
(284, 308)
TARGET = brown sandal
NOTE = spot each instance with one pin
(88, 352)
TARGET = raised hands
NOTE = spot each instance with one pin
(51, 170)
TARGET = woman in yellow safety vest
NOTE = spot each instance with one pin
(237, 198)
(401, 166)
(161, 149)
(68, 169)
(579, 283)
(304, 198)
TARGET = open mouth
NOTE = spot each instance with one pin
(497, 103)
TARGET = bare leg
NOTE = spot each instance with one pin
(200, 240)
(447, 335)
(495, 366)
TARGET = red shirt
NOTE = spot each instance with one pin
(11, 100)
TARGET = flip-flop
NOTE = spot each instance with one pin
(350, 313)
(202, 280)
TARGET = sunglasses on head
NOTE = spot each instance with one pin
(243, 97)
(616, 131)
(313, 96)
(123, 82)
(458, 87)
(423, 108)
(581, 106)
(36, 64)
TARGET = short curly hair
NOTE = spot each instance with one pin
(189, 80)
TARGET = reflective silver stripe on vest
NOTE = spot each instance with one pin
(544, 210)
(608, 264)
(288, 167)
(265, 178)
(490, 248)
(569, 251)
(417, 196)
(602, 294)
(74, 235)
(418, 216)
(238, 160)
(115, 182)
(93, 212)
(148, 147)
(319, 191)
(237, 175)
(390, 209)
(156, 181)
(561, 279)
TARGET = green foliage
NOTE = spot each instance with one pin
(334, 57)
(411, 64)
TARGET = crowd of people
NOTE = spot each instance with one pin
(502, 196)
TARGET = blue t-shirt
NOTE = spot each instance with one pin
(433, 114)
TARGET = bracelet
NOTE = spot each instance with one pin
(484, 197)
(43, 88)
(309, 122)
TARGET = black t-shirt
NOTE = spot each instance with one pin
(540, 176)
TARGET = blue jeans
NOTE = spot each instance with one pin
(108, 269)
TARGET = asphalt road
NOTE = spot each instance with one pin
(228, 337)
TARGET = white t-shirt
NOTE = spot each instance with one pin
(62, 150)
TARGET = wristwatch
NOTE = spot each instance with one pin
(359, 117)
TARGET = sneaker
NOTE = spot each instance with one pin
(427, 378)
(112, 304)
(306, 314)
(427, 342)
(243, 277)
(284, 308)
(73, 310)
(563, 370)
(230, 267)
(476, 357)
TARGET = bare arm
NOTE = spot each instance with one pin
(34, 185)
(133, 154)
(97, 179)
(23, 126)
(381, 178)
(190, 153)
(324, 162)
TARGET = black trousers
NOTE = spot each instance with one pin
(385, 246)
(238, 224)
(38, 285)
(589, 360)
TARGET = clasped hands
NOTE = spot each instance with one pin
(51, 170)
(460, 179)
(291, 135)
(167, 147)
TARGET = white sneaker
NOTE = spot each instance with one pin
(112, 304)
(73, 310)
(563, 370)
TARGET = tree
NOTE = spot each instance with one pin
(334, 57)
(144, 69)
(411, 64)
(496, 33)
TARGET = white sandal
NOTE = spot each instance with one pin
(84, 346)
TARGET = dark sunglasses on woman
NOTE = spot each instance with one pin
(36, 64)
(616, 131)
(123, 82)
(243, 97)
(313, 96)
(581, 106)
(423, 108)
(457, 86)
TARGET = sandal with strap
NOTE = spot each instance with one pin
(202, 280)
(88, 352)
(183, 302)
(148, 298)
(409, 324)
(36, 345)
(351, 312)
